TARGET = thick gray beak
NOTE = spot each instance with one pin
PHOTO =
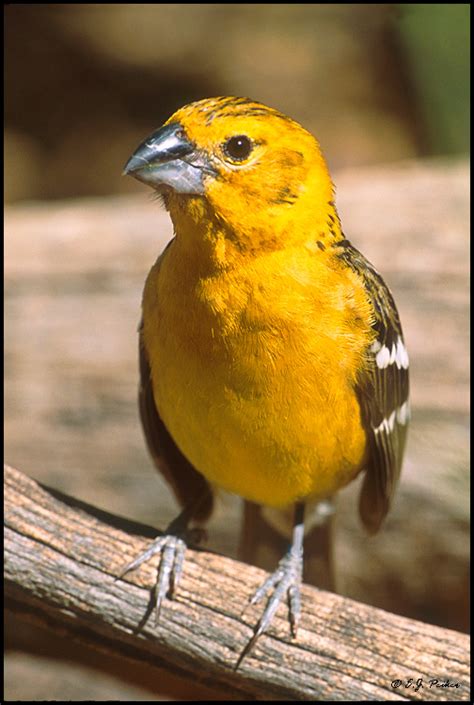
(167, 158)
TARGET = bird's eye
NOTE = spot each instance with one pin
(238, 148)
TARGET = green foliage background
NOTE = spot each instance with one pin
(436, 39)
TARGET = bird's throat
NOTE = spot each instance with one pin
(213, 245)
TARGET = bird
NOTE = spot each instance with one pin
(272, 359)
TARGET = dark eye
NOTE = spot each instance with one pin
(238, 148)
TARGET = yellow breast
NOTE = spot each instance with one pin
(254, 369)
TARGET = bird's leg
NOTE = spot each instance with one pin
(286, 580)
(171, 546)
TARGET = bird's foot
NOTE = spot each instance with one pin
(286, 580)
(171, 547)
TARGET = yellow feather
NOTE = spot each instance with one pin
(254, 329)
(255, 335)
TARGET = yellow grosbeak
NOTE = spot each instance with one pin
(272, 358)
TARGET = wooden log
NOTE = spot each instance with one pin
(62, 557)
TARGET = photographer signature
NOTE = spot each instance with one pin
(420, 683)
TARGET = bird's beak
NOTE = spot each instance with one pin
(167, 158)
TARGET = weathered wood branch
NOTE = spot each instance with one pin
(62, 557)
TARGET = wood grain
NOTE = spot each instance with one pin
(61, 560)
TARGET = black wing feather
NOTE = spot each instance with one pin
(383, 392)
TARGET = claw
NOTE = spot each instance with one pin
(262, 591)
(286, 580)
(169, 571)
(152, 550)
(266, 587)
(171, 548)
(294, 599)
(177, 572)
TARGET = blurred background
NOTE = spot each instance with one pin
(376, 82)
(385, 87)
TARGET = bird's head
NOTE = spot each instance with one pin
(250, 167)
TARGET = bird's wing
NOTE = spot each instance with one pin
(383, 392)
(187, 483)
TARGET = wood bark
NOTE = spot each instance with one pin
(62, 558)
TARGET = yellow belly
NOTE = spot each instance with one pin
(259, 400)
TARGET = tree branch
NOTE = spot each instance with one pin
(62, 557)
